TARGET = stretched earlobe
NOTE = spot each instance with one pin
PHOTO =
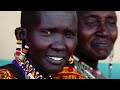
(20, 33)
(110, 63)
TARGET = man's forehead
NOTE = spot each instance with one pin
(96, 12)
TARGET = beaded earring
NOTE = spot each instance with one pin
(71, 59)
(21, 59)
(23, 53)
(110, 63)
(18, 48)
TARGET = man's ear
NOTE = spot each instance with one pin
(20, 33)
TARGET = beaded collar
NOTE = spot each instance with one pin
(68, 72)
(86, 70)
(28, 70)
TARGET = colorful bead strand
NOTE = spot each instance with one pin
(18, 48)
(89, 71)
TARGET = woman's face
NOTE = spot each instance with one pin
(97, 34)
(53, 41)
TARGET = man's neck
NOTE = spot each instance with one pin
(91, 63)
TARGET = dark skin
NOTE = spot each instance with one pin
(52, 41)
(96, 36)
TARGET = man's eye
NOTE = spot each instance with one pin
(91, 22)
(111, 21)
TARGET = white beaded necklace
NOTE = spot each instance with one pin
(86, 70)
(30, 72)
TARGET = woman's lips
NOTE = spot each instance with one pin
(55, 59)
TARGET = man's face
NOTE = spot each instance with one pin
(53, 40)
(97, 34)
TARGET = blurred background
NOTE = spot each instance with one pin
(9, 20)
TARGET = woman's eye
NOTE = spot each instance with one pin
(69, 34)
(47, 32)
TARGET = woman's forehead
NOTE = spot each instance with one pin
(61, 18)
(56, 12)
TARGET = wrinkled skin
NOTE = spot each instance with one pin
(97, 35)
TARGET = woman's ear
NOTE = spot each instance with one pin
(20, 33)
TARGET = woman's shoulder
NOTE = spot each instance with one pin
(10, 71)
(68, 72)
(5, 72)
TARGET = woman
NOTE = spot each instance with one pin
(45, 41)
(97, 33)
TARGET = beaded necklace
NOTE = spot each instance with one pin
(86, 70)
(21, 62)
(28, 70)
(68, 72)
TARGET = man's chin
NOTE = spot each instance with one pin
(103, 57)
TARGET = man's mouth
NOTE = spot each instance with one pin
(101, 43)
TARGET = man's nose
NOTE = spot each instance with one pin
(103, 30)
